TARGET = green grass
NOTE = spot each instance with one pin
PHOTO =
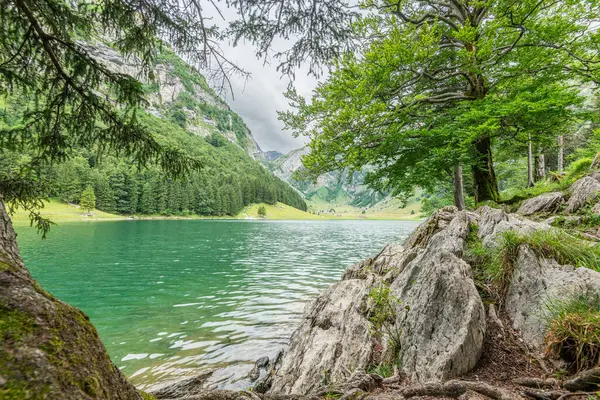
(574, 333)
(277, 211)
(557, 244)
(58, 211)
(493, 268)
(383, 370)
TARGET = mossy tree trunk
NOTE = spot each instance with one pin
(48, 349)
(484, 177)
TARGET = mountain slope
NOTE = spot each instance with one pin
(334, 188)
(182, 112)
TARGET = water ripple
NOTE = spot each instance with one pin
(172, 297)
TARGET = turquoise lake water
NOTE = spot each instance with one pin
(171, 298)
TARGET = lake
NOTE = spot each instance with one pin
(171, 298)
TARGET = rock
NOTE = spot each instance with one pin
(536, 281)
(583, 192)
(596, 208)
(254, 373)
(548, 202)
(586, 381)
(184, 388)
(263, 384)
(441, 315)
(493, 222)
(333, 337)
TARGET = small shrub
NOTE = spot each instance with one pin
(574, 333)
(383, 315)
(383, 370)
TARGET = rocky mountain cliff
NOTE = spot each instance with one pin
(337, 187)
(182, 95)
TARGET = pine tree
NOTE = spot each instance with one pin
(262, 211)
(87, 202)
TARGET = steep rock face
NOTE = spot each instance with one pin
(440, 314)
(442, 318)
(545, 203)
(333, 336)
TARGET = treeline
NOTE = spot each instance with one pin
(229, 180)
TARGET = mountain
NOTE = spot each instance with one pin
(333, 188)
(183, 112)
(182, 95)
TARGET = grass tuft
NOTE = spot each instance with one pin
(493, 268)
(574, 333)
(553, 243)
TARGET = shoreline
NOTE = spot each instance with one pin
(59, 212)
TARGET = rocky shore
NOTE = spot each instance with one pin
(469, 307)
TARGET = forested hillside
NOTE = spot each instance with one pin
(182, 112)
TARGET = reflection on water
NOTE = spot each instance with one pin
(170, 298)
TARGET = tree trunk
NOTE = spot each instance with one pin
(49, 349)
(484, 178)
(529, 163)
(459, 195)
(540, 167)
(561, 153)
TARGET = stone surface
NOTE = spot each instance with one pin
(583, 192)
(184, 388)
(440, 315)
(545, 203)
(493, 222)
(537, 281)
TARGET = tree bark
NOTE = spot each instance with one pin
(561, 153)
(540, 167)
(484, 177)
(530, 182)
(459, 194)
(49, 349)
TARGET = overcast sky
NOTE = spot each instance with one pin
(258, 99)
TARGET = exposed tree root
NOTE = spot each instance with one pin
(537, 383)
(456, 388)
(544, 395)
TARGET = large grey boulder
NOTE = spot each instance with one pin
(545, 203)
(332, 339)
(583, 192)
(536, 282)
(440, 315)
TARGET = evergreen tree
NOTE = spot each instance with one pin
(87, 202)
